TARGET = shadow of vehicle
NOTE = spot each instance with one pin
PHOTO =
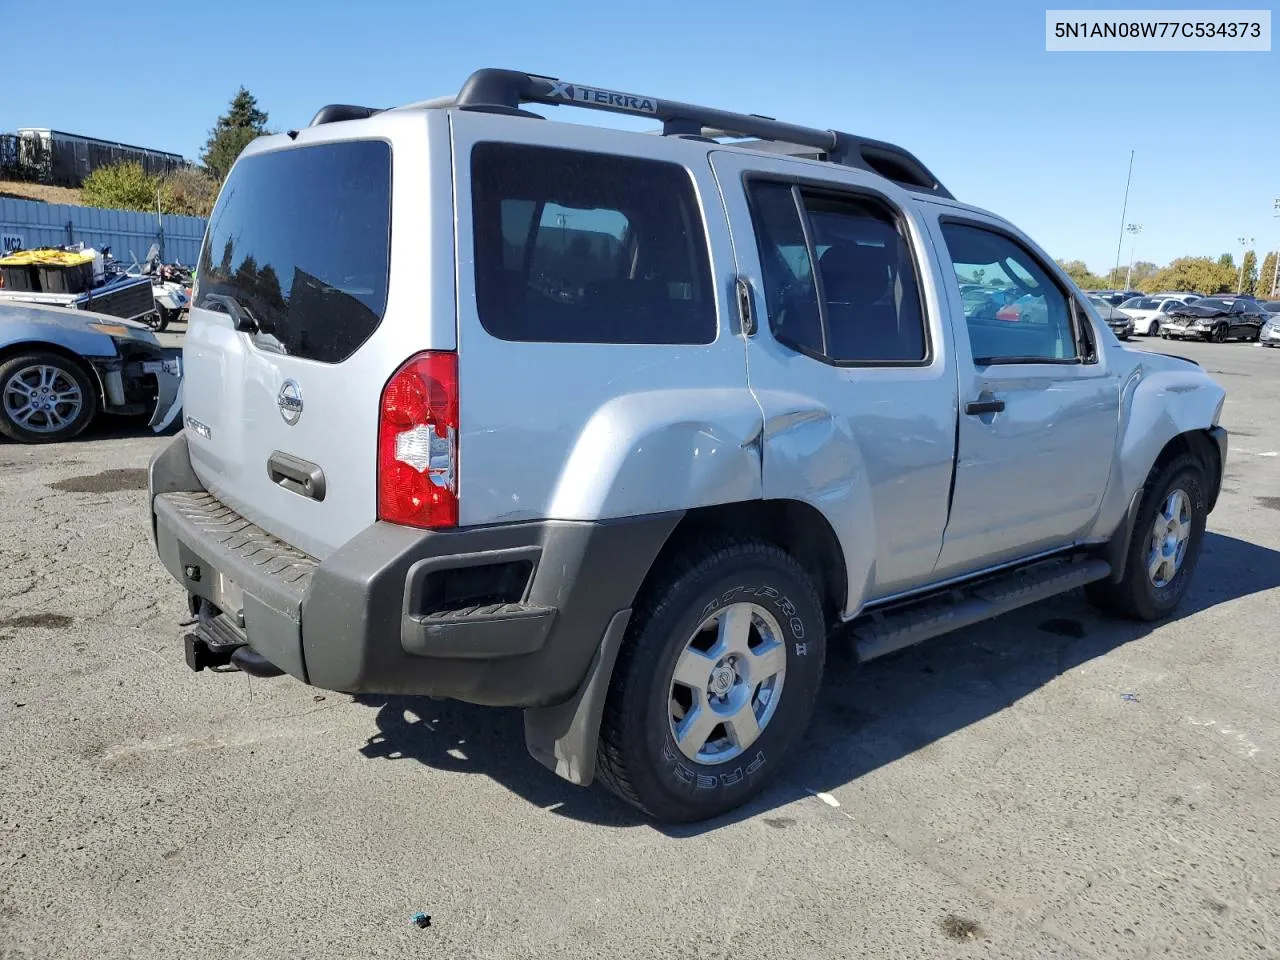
(867, 716)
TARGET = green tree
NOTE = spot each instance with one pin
(1226, 260)
(1079, 272)
(1200, 274)
(1249, 274)
(188, 191)
(232, 132)
(1142, 270)
(120, 186)
(1266, 278)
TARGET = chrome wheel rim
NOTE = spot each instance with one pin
(1170, 535)
(727, 683)
(42, 398)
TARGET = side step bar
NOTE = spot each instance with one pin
(890, 631)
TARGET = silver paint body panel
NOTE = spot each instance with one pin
(597, 431)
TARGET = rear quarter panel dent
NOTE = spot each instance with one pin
(659, 451)
(813, 459)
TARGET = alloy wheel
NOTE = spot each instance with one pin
(1170, 534)
(727, 683)
(42, 398)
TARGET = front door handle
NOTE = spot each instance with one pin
(975, 408)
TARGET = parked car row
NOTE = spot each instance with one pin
(1218, 319)
(1190, 316)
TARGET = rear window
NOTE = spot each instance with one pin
(588, 248)
(299, 244)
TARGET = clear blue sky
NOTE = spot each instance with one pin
(1042, 138)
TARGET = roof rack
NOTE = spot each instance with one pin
(505, 91)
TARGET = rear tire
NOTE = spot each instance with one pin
(658, 749)
(1152, 588)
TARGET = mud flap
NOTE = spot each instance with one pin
(563, 738)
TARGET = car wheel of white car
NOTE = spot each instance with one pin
(44, 398)
(1153, 329)
(715, 681)
(1164, 547)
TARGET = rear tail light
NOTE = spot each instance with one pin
(418, 443)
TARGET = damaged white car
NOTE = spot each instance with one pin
(59, 368)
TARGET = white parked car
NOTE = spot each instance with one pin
(1149, 312)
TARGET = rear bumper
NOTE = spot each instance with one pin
(390, 611)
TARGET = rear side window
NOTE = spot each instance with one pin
(298, 247)
(839, 281)
(588, 248)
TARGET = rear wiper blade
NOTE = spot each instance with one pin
(241, 317)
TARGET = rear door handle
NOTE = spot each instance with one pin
(976, 408)
(296, 475)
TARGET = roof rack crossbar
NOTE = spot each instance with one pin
(508, 89)
(504, 91)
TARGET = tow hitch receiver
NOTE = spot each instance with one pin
(201, 653)
(238, 655)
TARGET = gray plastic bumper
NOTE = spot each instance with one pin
(357, 621)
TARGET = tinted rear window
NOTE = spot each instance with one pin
(299, 243)
(588, 248)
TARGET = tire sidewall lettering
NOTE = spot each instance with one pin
(709, 781)
(771, 595)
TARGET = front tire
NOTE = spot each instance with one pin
(715, 682)
(1219, 334)
(1165, 546)
(1154, 329)
(45, 398)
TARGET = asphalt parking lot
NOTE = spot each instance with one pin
(1051, 784)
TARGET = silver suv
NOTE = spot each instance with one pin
(619, 428)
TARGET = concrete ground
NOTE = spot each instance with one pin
(1051, 784)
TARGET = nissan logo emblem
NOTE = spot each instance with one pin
(289, 400)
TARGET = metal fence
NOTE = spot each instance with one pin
(27, 224)
(65, 161)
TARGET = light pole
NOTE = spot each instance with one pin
(1124, 210)
(1135, 229)
(1275, 272)
(1245, 244)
